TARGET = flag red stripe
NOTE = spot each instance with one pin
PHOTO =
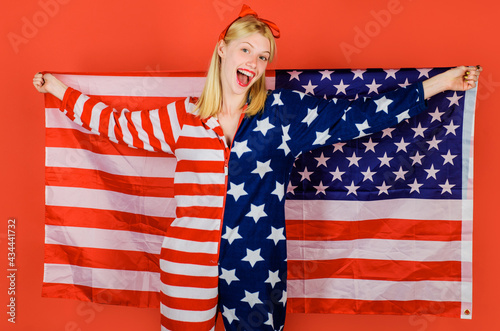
(375, 269)
(189, 304)
(106, 219)
(350, 306)
(170, 324)
(185, 280)
(69, 138)
(404, 229)
(102, 258)
(143, 299)
(95, 179)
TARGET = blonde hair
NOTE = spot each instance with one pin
(210, 101)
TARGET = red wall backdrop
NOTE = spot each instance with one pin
(120, 35)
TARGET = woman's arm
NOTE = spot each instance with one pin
(456, 79)
(149, 130)
(49, 84)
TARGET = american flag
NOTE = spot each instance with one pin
(380, 224)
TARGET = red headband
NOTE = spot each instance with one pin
(245, 10)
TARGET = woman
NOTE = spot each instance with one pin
(235, 147)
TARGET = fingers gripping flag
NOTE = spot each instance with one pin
(380, 224)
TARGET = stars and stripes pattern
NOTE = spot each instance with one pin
(88, 265)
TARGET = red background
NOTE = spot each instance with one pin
(120, 35)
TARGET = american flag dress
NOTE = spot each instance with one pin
(226, 249)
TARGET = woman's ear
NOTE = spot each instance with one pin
(221, 48)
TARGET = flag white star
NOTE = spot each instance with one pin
(402, 145)
(284, 138)
(353, 160)
(424, 72)
(264, 126)
(229, 314)
(301, 94)
(290, 188)
(383, 104)
(370, 145)
(391, 73)
(337, 174)
(253, 257)
(419, 131)
(384, 160)
(434, 143)
(322, 160)
(309, 88)
(446, 187)
(368, 174)
(279, 191)
(251, 298)
(236, 190)
(358, 73)
(448, 158)
(321, 137)
(338, 147)
(320, 188)
(326, 74)
(436, 115)
(454, 99)
(387, 132)
(276, 235)
(228, 275)
(451, 128)
(431, 172)
(383, 189)
(270, 320)
(311, 116)
(400, 173)
(256, 212)
(417, 158)
(283, 298)
(361, 127)
(231, 234)
(262, 168)
(373, 87)
(240, 148)
(273, 278)
(415, 186)
(295, 75)
(341, 88)
(352, 189)
(277, 100)
(405, 84)
(305, 174)
(402, 116)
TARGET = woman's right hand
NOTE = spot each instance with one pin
(47, 83)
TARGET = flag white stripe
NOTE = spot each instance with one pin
(189, 292)
(199, 154)
(103, 238)
(139, 166)
(141, 134)
(415, 209)
(109, 200)
(102, 278)
(149, 86)
(197, 223)
(364, 289)
(377, 249)
(199, 178)
(199, 201)
(157, 131)
(190, 246)
(188, 315)
(187, 269)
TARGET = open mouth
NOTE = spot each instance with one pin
(244, 77)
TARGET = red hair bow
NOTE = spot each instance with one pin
(245, 10)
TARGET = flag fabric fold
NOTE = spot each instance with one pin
(376, 225)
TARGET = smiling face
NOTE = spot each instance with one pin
(243, 62)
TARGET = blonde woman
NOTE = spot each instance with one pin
(235, 147)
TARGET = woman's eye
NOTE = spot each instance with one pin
(263, 58)
(245, 50)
